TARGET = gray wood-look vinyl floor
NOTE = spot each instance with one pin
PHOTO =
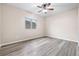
(41, 47)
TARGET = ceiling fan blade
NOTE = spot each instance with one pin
(50, 9)
(39, 6)
(39, 11)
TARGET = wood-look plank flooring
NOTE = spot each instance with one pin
(41, 47)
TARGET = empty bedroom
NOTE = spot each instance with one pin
(39, 29)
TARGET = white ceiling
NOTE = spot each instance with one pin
(58, 7)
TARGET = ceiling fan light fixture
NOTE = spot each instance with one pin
(44, 11)
(49, 7)
(45, 8)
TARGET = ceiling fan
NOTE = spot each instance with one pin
(45, 7)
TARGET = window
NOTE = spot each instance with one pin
(33, 25)
(27, 24)
(30, 23)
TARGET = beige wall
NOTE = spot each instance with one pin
(0, 23)
(63, 25)
(78, 25)
(14, 25)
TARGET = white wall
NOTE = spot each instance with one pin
(14, 25)
(63, 25)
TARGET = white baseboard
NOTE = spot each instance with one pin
(12, 42)
(32, 38)
(78, 44)
(63, 39)
(0, 45)
(18, 41)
